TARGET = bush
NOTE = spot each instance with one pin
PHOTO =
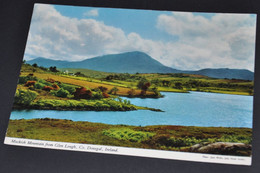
(60, 93)
(105, 95)
(29, 83)
(97, 95)
(131, 93)
(67, 87)
(56, 87)
(128, 134)
(102, 89)
(170, 141)
(47, 88)
(42, 81)
(82, 93)
(24, 79)
(39, 85)
(50, 80)
(113, 90)
(24, 97)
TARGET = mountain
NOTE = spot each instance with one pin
(133, 62)
(225, 73)
(130, 62)
(47, 62)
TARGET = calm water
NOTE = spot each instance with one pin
(189, 109)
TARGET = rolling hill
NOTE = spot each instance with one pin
(138, 62)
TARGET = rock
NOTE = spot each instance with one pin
(223, 148)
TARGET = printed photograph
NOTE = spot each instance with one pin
(161, 80)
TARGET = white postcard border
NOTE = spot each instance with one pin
(162, 154)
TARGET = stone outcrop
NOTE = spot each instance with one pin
(223, 148)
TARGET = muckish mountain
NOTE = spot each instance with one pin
(130, 62)
(133, 62)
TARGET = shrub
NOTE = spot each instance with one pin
(50, 80)
(24, 79)
(67, 87)
(105, 95)
(39, 85)
(102, 89)
(82, 93)
(55, 87)
(178, 85)
(47, 88)
(170, 141)
(113, 90)
(42, 81)
(97, 95)
(131, 93)
(24, 97)
(156, 92)
(61, 93)
(29, 83)
(128, 134)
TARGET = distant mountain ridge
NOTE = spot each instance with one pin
(133, 62)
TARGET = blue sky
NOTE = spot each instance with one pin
(182, 40)
(142, 22)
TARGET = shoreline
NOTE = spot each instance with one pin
(98, 109)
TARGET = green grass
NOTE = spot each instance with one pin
(128, 81)
(87, 72)
(128, 134)
(88, 105)
(162, 137)
(168, 89)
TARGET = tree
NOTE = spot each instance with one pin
(143, 84)
(178, 85)
(79, 74)
(114, 90)
(155, 82)
(131, 92)
(35, 65)
(54, 69)
(166, 83)
(102, 89)
(156, 92)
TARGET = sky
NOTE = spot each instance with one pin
(181, 40)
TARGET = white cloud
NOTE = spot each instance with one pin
(91, 13)
(221, 41)
(225, 40)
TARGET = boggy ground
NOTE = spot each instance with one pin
(162, 137)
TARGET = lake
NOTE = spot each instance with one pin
(187, 109)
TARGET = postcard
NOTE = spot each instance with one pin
(158, 84)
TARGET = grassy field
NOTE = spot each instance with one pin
(122, 91)
(175, 138)
(47, 91)
(182, 83)
(87, 72)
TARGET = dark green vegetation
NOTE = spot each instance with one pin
(139, 62)
(175, 138)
